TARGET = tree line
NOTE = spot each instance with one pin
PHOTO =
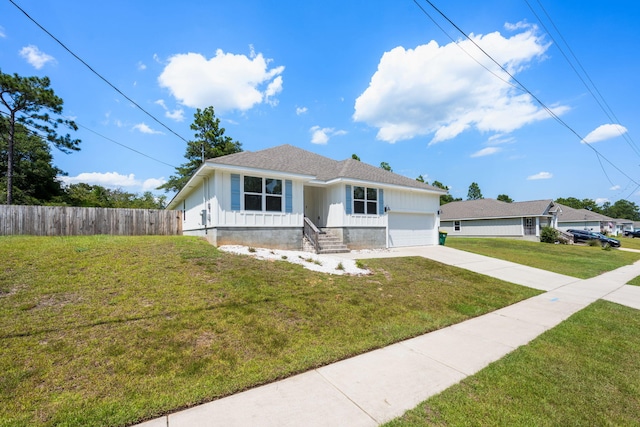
(30, 123)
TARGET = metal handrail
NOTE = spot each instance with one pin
(312, 232)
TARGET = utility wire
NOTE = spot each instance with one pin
(600, 100)
(35, 133)
(125, 146)
(462, 49)
(98, 74)
(538, 100)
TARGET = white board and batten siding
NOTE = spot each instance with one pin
(214, 196)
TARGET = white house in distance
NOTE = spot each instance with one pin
(494, 218)
(273, 197)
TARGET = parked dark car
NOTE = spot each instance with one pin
(586, 235)
(633, 234)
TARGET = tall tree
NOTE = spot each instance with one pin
(575, 203)
(623, 209)
(474, 192)
(386, 166)
(504, 198)
(210, 142)
(30, 101)
(35, 179)
(355, 157)
(445, 198)
(420, 178)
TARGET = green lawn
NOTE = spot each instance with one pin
(573, 260)
(106, 331)
(584, 372)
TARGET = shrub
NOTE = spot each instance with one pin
(594, 242)
(548, 235)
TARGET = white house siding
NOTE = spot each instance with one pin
(229, 218)
(197, 201)
(580, 225)
(485, 227)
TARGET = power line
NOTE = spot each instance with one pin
(463, 49)
(98, 74)
(600, 100)
(538, 100)
(35, 133)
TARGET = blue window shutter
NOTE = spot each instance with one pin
(347, 208)
(288, 196)
(235, 192)
(380, 201)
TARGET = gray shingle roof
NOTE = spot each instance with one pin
(289, 159)
(491, 208)
(571, 214)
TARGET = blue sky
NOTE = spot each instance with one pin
(376, 78)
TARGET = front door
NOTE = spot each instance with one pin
(529, 226)
(313, 206)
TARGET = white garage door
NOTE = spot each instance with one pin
(411, 229)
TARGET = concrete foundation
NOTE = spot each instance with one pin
(264, 237)
(357, 238)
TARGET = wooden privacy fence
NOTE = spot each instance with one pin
(68, 221)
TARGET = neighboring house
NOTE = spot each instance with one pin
(623, 225)
(269, 198)
(583, 219)
(493, 218)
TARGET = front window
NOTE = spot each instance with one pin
(262, 194)
(365, 200)
(456, 225)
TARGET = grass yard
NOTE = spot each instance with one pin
(579, 261)
(109, 331)
(584, 372)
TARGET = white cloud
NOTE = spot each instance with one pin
(540, 175)
(615, 188)
(144, 128)
(604, 132)
(226, 81)
(486, 151)
(321, 135)
(35, 56)
(2, 33)
(141, 66)
(301, 110)
(177, 114)
(440, 90)
(114, 180)
(152, 183)
(601, 200)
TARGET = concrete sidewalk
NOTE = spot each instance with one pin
(378, 386)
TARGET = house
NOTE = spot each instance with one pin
(584, 219)
(623, 226)
(275, 197)
(494, 218)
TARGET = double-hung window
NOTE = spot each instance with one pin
(456, 226)
(365, 200)
(262, 194)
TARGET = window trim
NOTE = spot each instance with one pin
(263, 194)
(366, 200)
